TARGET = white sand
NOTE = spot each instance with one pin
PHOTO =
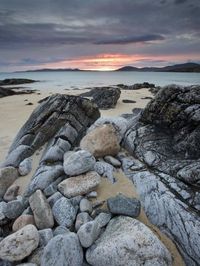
(13, 114)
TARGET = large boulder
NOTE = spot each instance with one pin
(127, 241)
(101, 141)
(63, 250)
(164, 141)
(104, 97)
(19, 245)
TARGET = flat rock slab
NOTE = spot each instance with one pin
(41, 210)
(101, 141)
(63, 250)
(79, 185)
(19, 245)
(127, 241)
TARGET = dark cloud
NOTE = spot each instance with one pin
(48, 30)
(134, 39)
(180, 1)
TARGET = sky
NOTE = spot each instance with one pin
(98, 34)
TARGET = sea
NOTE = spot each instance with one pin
(59, 80)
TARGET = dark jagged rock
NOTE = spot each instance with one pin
(136, 86)
(128, 101)
(154, 90)
(165, 142)
(105, 97)
(12, 91)
(61, 119)
(15, 81)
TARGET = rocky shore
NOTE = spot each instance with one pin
(62, 218)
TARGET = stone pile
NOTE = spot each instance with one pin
(56, 221)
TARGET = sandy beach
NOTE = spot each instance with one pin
(13, 114)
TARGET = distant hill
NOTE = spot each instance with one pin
(187, 67)
(54, 70)
(128, 68)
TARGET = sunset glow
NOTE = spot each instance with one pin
(108, 62)
(98, 35)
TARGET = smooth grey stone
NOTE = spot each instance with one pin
(82, 218)
(20, 244)
(25, 166)
(88, 233)
(16, 156)
(92, 194)
(3, 207)
(103, 219)
(11, 193)
(85, 206)
(7, 176)
(14, 209)
(64, 212)
(126, 241)
(63, 250)
(41, 210)
(45, 236)
(61, 230)
(43, 177)
(80, 162)
(106, 170)
(52, 199)
(123, 205)
(112, 160)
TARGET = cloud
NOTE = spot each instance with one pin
(180, 1)
(134, 39)
(50, 30)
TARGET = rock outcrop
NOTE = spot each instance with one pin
(165, 143)
(104, 97)
(61, 120)
(15, 81)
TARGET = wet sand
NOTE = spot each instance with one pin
(124, 185)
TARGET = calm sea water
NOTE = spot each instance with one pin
(68, 80)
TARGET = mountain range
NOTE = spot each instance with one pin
(186, 67)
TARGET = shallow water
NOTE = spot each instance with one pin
(71, 80)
